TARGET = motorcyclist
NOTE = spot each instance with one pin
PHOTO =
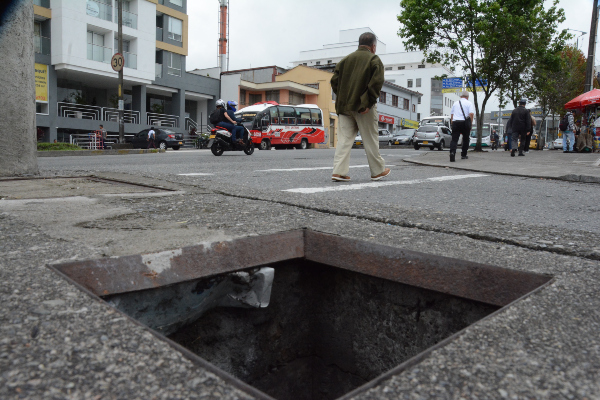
(225, 121)
(238, 130)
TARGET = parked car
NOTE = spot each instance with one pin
(163, 139)
(432, 136)
(404, 137)
(358, 140)
(557, 144)
(385, 137)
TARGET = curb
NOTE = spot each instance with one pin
(69, 153)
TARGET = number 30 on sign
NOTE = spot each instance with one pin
(117, 62)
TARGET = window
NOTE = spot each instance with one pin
(316, 116)
(177, 2)
(382, 97)
(318, 63)
(418, 82)
(421, 66)
(303, 116)
(126, 45)
(414, 108)
(296, 98)
(419, 101)
(242, 96)
(254, 98)
(274, 115)
(401, 67)
(272, 95)
(418, 116)
(304, 64)
(175, 29)
(395, 101)
(409, 83)
(388, 68)
(287, 115)
(173, 64)
(329, 61)
(95, 48)
(406, 104)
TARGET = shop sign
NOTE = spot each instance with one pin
(385, 119)
(408, 123)
(92, 9)
(41, 82)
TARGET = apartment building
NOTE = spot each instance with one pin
(404, 69)
(76, 88)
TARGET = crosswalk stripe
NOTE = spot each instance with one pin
(195, 174)
(309, 169)
(358, 186)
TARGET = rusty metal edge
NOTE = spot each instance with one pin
(426, 278)
(417, 359)
(194, 358)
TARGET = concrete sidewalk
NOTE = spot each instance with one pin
(549, 164)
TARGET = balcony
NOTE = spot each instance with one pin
(99, 53)
(130, 60)
(158, 71)
(42, 3)
(129, 19)
(99, 10)
(41, 45)
(159, 34)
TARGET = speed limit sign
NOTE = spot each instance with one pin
(117, 62)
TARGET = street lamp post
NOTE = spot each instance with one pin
(589, 71)
(121, 105)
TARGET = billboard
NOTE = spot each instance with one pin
(41, 83)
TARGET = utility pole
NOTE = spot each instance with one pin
(589, 71)
(121, 105)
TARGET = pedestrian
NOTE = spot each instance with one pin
(101, 136)
(461, 119)
(520, 123)
(569, 133)
(495, 140)
(528, 138)
(357, 81)
(151, 137)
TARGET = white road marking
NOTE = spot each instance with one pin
(597, 163)
(195, 174)
(358, 186)
(309, 169)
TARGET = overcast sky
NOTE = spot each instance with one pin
(273, 32)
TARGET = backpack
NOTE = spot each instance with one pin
(215, 116)
(564, 123)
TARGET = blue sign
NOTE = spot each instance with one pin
(478, 82)
(452, 83)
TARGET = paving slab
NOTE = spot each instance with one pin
(547, 164)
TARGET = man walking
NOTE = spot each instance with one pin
(101, 136)
(520, 123)
(151, 137)
(569, 133)
(461, 119)
(357, 81)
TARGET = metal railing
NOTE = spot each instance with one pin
(159, 34)
(99, 9)
(99, 53)
(42, 3)
(72, 110)
(156, 119)
(130, 60)
(158, 68)
(190, 123)
(112, 114)
(129, 19)
(41, 45)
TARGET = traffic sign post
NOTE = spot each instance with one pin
(117, 62)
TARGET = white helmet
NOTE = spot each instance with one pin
(220, 103)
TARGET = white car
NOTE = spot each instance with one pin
(557, 144)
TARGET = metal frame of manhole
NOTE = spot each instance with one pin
(474, 281)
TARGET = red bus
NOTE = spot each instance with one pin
(283, 126)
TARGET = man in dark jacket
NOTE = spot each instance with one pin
(520, 123)
(357, 82)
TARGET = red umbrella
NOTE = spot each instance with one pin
(586, 99)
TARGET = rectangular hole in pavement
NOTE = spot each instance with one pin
(302, 314)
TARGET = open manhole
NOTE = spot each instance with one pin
(302, 314)
(57, 187)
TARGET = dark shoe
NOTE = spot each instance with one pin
(565, 151)
(521, 154)
(512, 152)
(464, 157)
(452, 156)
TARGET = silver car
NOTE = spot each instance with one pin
(432, 136)
(385, 137)
(404, 137)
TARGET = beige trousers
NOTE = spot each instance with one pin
(350, 125)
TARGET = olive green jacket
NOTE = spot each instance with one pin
(357, 81)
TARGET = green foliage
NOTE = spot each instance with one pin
(494, 40)
(57, 147)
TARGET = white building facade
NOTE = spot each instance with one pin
(405, 69)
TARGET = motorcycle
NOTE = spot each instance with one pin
(220, 141)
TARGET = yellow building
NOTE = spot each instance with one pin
(320, 80)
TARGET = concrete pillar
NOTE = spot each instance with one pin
(18, 138)
(138, 102)
(178, 106)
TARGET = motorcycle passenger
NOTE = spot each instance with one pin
(225, 121)
(238, 134)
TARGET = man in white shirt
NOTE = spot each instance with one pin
(462, 113)
(151, 137)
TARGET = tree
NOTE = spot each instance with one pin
(484, 40)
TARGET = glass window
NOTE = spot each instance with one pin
(274, 115)
(175, 29)
(174, 64)
(421, 66)
(287, 115)
(406, 104)
(272, 95)
(177, 2)
(254, 98)
(395, 101)
(316, 116)
(418, 82)
(303, 116)
(126, 45)
(296, 98)
(401, 67)
(382, 97)
(409, 83)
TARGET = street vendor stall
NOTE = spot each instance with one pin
(588, 104)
